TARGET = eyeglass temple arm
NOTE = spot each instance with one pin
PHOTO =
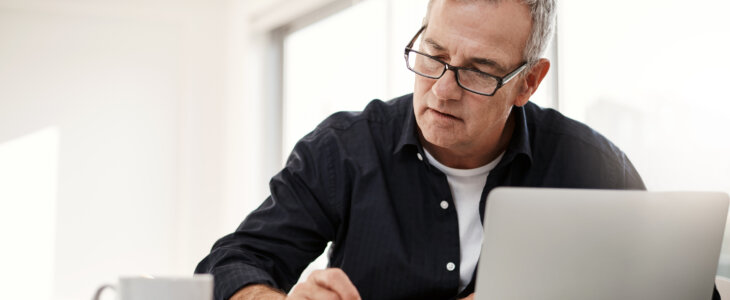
(514, 73)
(413, 40)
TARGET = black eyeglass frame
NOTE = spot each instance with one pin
(501, 81)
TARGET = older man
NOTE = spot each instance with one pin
(399, 188)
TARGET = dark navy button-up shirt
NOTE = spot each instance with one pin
(362, 181)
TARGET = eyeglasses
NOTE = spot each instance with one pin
(469, 79)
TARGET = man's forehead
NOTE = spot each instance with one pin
(477, 59)
(431, 3)
(486, 30)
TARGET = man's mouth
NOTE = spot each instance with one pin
(444, 115)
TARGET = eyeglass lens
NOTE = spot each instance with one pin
(469, 79)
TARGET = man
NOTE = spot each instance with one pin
(400, 187)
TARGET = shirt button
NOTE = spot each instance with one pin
(420, 157)
(444, 204)
(450, 266)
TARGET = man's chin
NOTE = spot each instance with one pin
(439, 140)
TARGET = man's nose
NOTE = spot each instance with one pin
(446, 87)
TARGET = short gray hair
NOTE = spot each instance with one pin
(543, 24)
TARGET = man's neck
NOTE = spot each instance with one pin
(474, 155)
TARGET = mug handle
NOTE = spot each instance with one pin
(101, 289)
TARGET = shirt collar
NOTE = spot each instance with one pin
(519, 143)
(409, 135)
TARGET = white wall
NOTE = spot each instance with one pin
(145, 127)
(134, 93)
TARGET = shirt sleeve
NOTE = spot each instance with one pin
(289, 230)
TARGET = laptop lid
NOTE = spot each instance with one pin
(600, 244)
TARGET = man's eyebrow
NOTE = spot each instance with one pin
(436, 46)
(490, 63)
(474, 60)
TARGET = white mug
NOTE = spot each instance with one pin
(198, 287)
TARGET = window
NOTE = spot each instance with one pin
(342, 62)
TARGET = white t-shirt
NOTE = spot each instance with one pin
(466, 189)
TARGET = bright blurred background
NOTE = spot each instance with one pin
(135, 133)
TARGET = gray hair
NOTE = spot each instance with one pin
(543, 23)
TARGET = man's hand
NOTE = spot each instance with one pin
(258, 292)
(325, 284)
(470, 297)
(321, 284)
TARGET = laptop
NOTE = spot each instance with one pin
(600, 244)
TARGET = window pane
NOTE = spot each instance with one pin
(345, 60)
(332, 65)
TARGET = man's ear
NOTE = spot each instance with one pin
(531, 81)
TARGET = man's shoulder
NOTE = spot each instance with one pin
(547, 124)
(378, 122)
(584, 157)
(376, 111)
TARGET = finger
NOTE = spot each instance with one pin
(297, 292)
(323, 294)
(470, 297)
(336, 280)
(311, 291)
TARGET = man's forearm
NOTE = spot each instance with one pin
(258, 292)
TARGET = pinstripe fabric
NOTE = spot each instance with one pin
(361, 181)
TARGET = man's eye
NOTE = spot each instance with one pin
(434, 55)
(482, 70)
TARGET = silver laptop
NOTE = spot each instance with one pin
(600, 244)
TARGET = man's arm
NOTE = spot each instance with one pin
(289, 230)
